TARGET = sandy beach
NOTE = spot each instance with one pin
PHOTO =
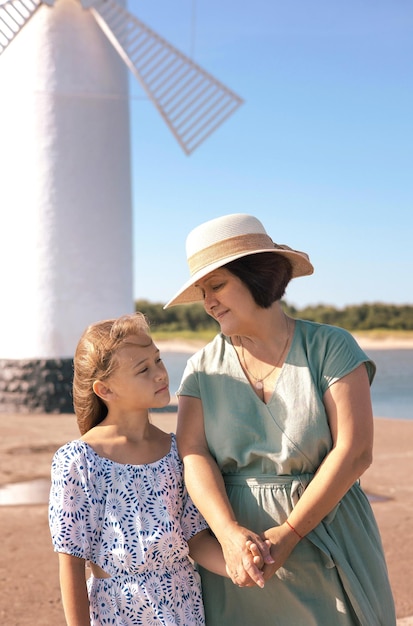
(28, 566)
(387, 342)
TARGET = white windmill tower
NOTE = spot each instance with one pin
(65, 187)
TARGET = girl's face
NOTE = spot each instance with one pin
(228, 300)
(140, 380)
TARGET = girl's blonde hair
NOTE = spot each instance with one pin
(95, 359)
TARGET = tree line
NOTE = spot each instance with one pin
(362, 317)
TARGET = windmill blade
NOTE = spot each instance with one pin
(192, 102)
(13, 16)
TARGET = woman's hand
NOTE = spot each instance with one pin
(245, 554)
(282, 541)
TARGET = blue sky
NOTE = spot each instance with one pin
(321, 151)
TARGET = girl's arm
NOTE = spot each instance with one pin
(205, 550)
(73, 588)
(207, 490)
(350, 416)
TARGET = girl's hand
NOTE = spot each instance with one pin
(256, 554)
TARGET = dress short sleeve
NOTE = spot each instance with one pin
(70, 502)
(192, 522)
(189, 384)
(203, 363)
(333, 353)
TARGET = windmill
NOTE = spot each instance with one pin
(65, 181)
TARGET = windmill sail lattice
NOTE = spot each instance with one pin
(192, 102)
(13, 16)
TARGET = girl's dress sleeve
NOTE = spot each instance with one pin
(70, 502)
(192, 522)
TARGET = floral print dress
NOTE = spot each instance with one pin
(134, 522)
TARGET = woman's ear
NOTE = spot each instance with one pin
(101, 390)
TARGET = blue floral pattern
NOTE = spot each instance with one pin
(133, 521)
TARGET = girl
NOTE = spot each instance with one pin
(118, 498)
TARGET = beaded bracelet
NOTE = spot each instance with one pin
(293, 529)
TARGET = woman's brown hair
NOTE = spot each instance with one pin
(266, 275)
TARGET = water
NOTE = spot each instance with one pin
(392, 389)
(175, 364)
(28, 492)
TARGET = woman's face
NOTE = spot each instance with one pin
(228, 300)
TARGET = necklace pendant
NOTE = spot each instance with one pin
(259, 385)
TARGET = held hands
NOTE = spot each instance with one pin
(257, 560)
(246, 554)
(262, 556)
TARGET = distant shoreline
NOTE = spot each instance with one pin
(366, 342)
(384, 343)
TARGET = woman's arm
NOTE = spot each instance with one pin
(350, 416)
(73, 588)
(206, 488)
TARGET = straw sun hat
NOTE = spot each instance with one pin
(224, 239)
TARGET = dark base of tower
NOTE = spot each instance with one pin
(36, 385)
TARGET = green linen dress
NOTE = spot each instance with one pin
(268, 454)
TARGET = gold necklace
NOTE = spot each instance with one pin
(259, 382)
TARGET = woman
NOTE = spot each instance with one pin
(275, 428)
